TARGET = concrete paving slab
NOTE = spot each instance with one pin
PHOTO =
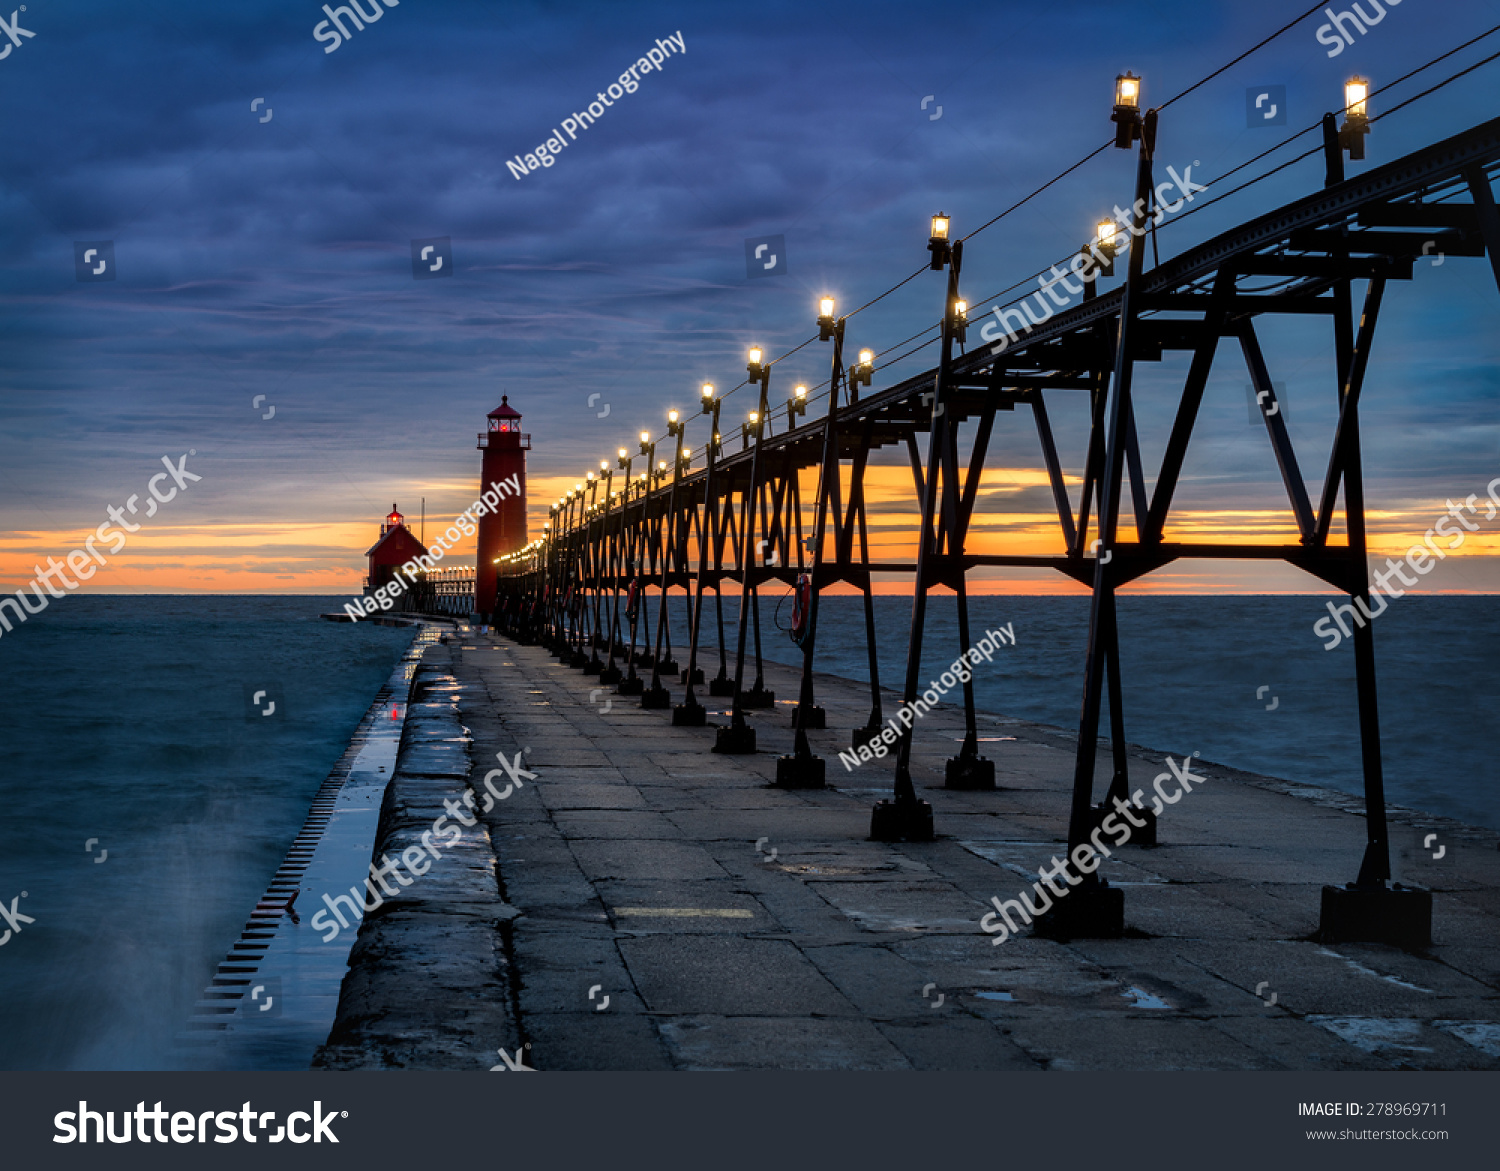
(706, 1042)
(729, 976)
(628, 859)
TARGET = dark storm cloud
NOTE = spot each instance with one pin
(274, 258)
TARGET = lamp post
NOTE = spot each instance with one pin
(1095, 908)
(634, 684)
(576, 583)
(657, 696)
(644, 484)
(634, 537)
(832, 329)
(550, 637)
(690, 713)
(803, 770)
(564, 575)
(1368, 899)
(739, 737)
(603, 479)
(905, 816)
(620, 564)
(588, 563)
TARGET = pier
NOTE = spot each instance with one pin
(731, 924)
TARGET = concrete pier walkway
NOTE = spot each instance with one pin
(731, 925)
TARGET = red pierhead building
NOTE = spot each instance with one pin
(504, 531)
(395, 548)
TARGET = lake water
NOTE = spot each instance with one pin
(130, 721)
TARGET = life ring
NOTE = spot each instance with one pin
(632, 606)
(801, 610)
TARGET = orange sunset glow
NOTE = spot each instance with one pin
(327, 557)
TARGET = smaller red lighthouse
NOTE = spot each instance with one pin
(504, 531)
(396, 547)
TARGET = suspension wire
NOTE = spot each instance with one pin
(1176, 219)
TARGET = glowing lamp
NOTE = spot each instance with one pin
(826, 325)
(1127, 111)
(796, 405)
(1356, 117)
(860, 374)
(937, 243)
(1356, 94)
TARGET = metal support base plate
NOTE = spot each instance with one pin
(901, 821)
(685, 716)
(1400, 916)
(1085, 912)
(976, 773)
(732, 741)
(805, 772)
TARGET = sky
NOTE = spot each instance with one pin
(260, 197)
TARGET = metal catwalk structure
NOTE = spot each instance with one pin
(625, 538)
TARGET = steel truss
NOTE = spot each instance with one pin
(741, 518)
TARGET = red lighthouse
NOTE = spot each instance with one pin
(504, 531)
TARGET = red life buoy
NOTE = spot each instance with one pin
(631, 600)
(801, 609)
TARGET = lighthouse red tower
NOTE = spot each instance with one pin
(500, 532)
